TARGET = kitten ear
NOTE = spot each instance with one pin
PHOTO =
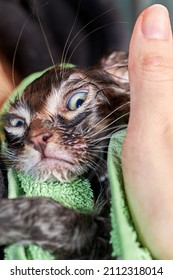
(116, 64)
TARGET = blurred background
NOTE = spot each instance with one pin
(130, 9)
(34, 34)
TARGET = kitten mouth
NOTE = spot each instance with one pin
(56, 160)
(53, 169)
(57, 157)
(53, 165)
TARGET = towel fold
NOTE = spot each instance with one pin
(124, 238)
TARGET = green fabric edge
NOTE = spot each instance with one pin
(18, 91)
(15, 252)
(124, 238)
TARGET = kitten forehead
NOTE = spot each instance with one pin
(53, 100)
(56, 97)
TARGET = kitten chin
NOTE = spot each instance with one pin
(63, 166)
(54, 173)
(52, 170)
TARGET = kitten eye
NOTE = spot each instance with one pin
(17, 122)
(77, 99)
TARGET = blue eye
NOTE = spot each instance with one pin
(77, 99)
(17, 122)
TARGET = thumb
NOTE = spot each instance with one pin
(148, 151)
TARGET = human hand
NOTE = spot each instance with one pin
(148, 148)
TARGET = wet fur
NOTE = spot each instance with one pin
(63, 231)
(76, 132)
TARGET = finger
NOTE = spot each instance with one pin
(147, 150)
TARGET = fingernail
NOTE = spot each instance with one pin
(156, 23)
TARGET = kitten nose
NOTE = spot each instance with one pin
(41, 139)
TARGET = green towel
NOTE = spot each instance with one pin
(124, 238)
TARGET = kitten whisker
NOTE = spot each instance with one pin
(83, 28)
(16, 47)
(15, 51)
(101, 161)
(107, 116)
(93, 167)
(45, 39)
(65, 51)
(102, 188)
(91, 32)
(111, 130)
(100, 139)
(110, 124)
(100, 148)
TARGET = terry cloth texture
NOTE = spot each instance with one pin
(124, 238)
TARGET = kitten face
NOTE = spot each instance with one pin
(59, 127)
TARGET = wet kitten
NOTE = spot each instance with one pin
(58, 130)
